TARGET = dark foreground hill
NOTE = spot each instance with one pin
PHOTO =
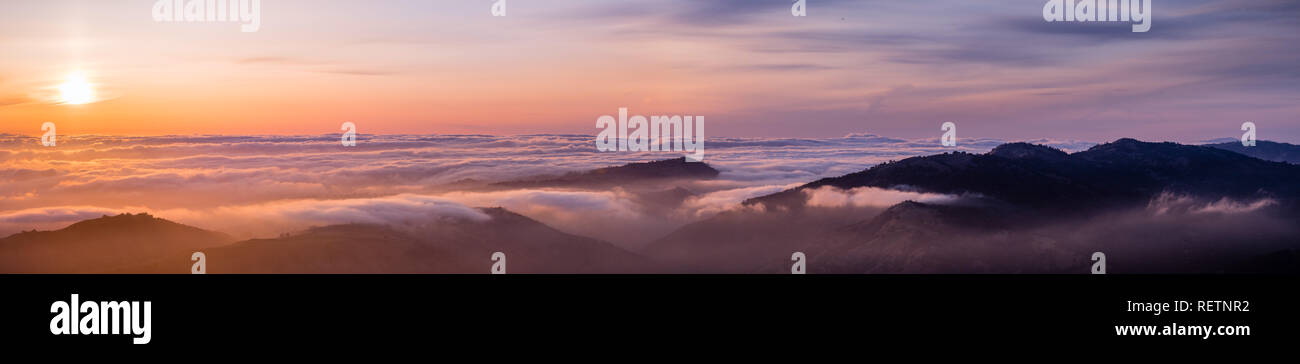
(628, 174)
(1021, 208)
(145, 244)
(1266, 150)
(104, 245)
(1125, 173)
(444, 245)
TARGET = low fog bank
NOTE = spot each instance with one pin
(222, 182)
(1172, 234)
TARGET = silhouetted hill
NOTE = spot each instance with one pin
(108, 244)
(1266, 150)
(1124, 173)
(914, 238)
(340, 249)
(1152, 207)
(444, 245)
(533, 247)
(1029, 152)
(632, 173)
(748, 241)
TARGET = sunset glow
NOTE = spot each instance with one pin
(76, 90)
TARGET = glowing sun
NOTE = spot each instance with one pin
(76, 91)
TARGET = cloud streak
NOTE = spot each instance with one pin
(828, 196)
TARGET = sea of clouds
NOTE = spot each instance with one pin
(259, 186)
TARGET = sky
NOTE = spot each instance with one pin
(892, 68)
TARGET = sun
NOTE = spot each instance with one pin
(76, 91)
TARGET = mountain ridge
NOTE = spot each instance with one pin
(103, 245)
(1020, 208)
(1120, 173)
(1263, 149)
(639, 172)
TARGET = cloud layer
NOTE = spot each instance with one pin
(252, 186)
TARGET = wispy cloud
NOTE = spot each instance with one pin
(828, 196)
